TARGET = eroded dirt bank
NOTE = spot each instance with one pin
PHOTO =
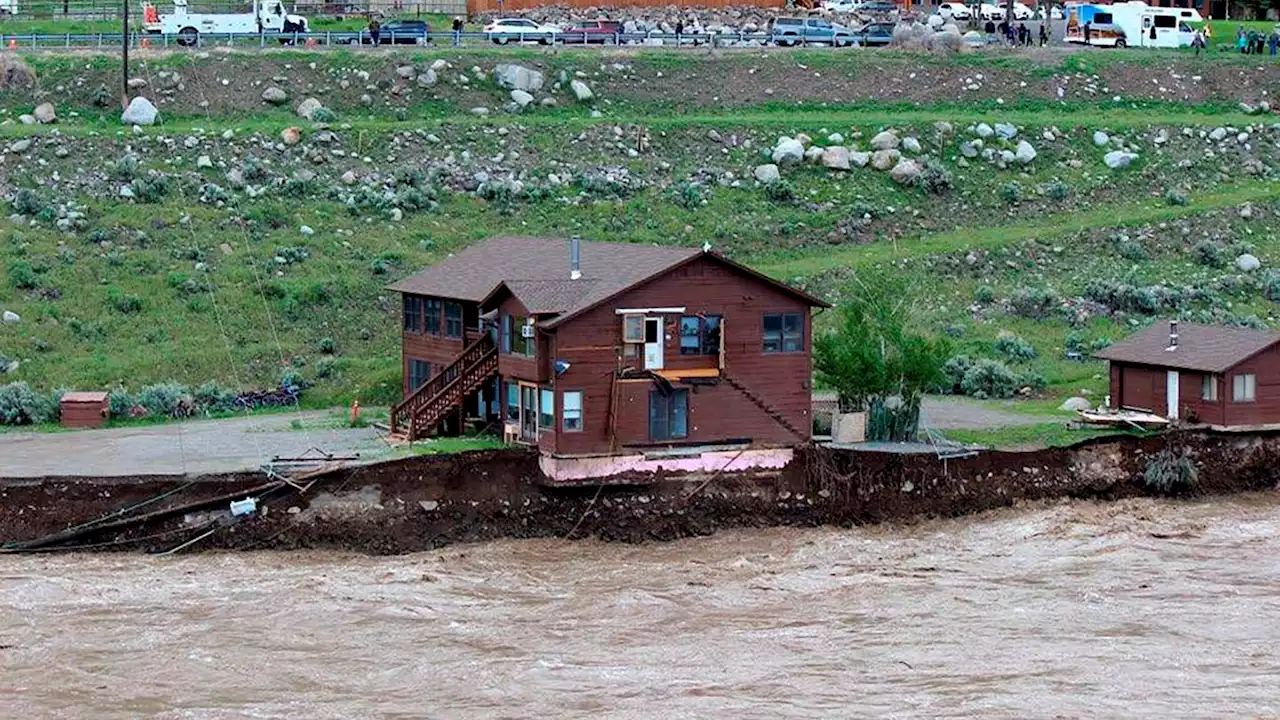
(424, 503)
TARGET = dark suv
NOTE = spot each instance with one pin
(398, 32)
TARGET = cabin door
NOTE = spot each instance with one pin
(653, 343)
(529, 413)
(1171, 393)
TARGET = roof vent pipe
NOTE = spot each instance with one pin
(575, 257)
(1173, 335)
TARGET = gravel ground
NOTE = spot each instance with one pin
(207, 446)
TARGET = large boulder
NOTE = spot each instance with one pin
(521, 98)
(1119, 159)
(766, 173)
(813, 154)
(911, 145)
(1006, 131)
(984, 131)
(581, 91)
(836, 157)
(1025, 154)
(44, 114)
(860, 158)
(518, 77)
(970, 149)
(906, 171)
(1100, 138)
(788, 151)
(139, 112)
(275, 96)
(1248, 262)
(885, 159)
(11, 318)
(308, 107)
(885, 140)
(1075, 404)
(428, 78)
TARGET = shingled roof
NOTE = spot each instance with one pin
(536, 270)
(1206, 348)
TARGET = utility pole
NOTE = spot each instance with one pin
(124, 57)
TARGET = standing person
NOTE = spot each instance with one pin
(1044, 33)
(990, 30)
(1273, 40)
(1242, 41)
(1025, 32)
(679, 30)
(1088, 33)
(457, 31)
(1197, 42)
(375, 31)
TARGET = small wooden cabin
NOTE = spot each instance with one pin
(1218, 376)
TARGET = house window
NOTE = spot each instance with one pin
(669, 415)
(419, 373)
(700, 335)
(1209, 388)
(453, 319)
(546, 408)
(506, 333)
(633, 328)
(571, 410)
(431, 316)
(513, 403)
(1244, 388)
(783, 332)
(412, 314)
(520, 345)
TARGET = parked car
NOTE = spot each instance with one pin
(987, 11)
(1055, 13)
(955, 11)
(875, 34)
(1022, 12)
(591, 31)
(794, 31)
(841, 6)
(505, 30)
(877, 7)
(397, 32)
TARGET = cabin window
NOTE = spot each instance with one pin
(412, 314)
(546, 408)
(1209, 389)
(571, 410)
(453, 319)
(1166, 21)
(513, 403)
(783, 332)
(505, 333)
(517, 343)
(419, 373)
(431, 317)
(700, 335)
(1244, 388)
(668, 415)
(633, 328)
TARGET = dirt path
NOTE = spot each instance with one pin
(950, 413)
(206, 446)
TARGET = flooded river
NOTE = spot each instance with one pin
(1138, 608)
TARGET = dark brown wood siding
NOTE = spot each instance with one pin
(1265, 409)
(592, 344)
(435, 349)
(1146, 386)
(511, 366)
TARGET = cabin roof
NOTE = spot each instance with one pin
(1207, 348)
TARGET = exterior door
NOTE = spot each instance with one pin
(528, 413)
(1171, 394)
(1137, 389)
(653, 343)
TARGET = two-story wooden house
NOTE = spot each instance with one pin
(609, 357)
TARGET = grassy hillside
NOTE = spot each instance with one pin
(212, 246)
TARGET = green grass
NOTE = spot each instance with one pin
(1224, 32)
(449, 445)
(1028, 437)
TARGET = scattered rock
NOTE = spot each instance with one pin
(1246, 211)
(1119, 159)
(885, 140)
(984, 131)
(275, 96)
(766, 173)
(788, 151)
(1025, 154)
(291, 136)
(836, 157)
(480, 111)
(905, 171)
(44, 114)
(970, 149)
(1074, 404)
(428, 78)
(27, 119)
(306, 230)
(885, 159)
(1248, 262)
(581, 91)
(518, 77)
(307, 108)
(911, 145)
(835, 138)
(204, 161)
(521, 98)
(20, 146)
(407, 71)
(860, 158)
(1218, 134)
(11, 318)
(1006, 131)
(139, 112)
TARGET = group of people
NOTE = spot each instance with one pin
(1253, 42)
(1019, 35)
(375, 31)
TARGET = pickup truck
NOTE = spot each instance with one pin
(796, 31)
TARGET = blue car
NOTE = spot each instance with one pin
(797, 31)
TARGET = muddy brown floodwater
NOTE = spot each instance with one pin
(1134, 608)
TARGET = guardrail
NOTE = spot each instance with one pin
(72, 41)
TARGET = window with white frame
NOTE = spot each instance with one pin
(571, 410)
(1244, 388)
(1209, 388)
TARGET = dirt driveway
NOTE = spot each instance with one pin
(205, 446)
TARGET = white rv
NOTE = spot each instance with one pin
(268, 16)
(9, 6)
(1128, 24)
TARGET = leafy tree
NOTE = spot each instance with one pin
(879, 362)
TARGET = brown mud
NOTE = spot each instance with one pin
(423, 503)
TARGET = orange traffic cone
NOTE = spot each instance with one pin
(311, 43)
(13, 44)
(145, 43)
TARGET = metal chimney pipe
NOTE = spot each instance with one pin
(1173, 334)
(575, 257)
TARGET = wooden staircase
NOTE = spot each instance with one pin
(758, 402)
(445, 391)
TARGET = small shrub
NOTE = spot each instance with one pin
(1271, 287)
(1014, 348)
(1011, 193)
(122, 303)
(290, 254)
(170, 399)
(984, 294)
(120, 404)
(935, 178)
(150, 189)
(20, 405)
(125, 168)
(28, 202)
(101, 97)
(212, 397)
(324, 115)
(1207, 252)
(1131, 250)
(1176, 197)
(326, 368)
(1033, 303)
(1057, 190)
(291, 381)
(316, 293)
(24, 276)
(1170, 473)
(989, 379)
(416, 198)
(688, 195)
(379, 266)
(780, 191)
(327, 346)
(410, 177)
(954, 370)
